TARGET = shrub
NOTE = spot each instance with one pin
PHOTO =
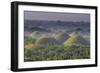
(55, 52)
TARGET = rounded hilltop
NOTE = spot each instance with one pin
(46, 40)
(76, 39)
(61, 37)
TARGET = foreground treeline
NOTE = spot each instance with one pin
(55, 52)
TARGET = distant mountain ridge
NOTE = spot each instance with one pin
(37, 29)
(68, 26)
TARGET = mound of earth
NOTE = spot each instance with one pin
(62, 37)
(76, 39)
(46, 40)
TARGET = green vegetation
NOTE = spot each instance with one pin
(45, 48)
(55, 52)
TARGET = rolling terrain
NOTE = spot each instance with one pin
(56, 40)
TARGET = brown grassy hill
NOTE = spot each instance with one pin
(46, 40)
(76, 39)
(62, 37)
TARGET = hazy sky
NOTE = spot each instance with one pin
(32, 15)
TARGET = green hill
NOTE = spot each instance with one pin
(62, 37)
(46, 40)
(76, 39)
